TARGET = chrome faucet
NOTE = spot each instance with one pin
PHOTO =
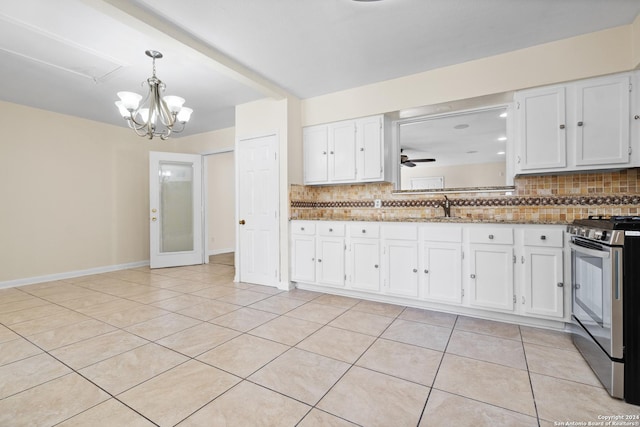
(446, 205)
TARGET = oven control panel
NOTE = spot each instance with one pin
(608, 237)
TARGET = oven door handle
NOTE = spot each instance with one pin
(591, 252)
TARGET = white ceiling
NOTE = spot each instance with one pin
(72, 56)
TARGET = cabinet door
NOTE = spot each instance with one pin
(342, 151)
(491, 277)
(543, 282)
(401, 264)
(330, 261)
(315, 147)
(602, 121)
(370, 154)
(441, 271)
(365, 264)
(541, 139)
(303, 258)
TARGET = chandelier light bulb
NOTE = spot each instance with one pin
(130, 100)
(184, 115)
(123, 111)
(174, 103)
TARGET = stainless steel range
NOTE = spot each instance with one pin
(605, 262)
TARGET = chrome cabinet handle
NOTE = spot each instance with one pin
(562, 126)
(361, 148)
(375, 266)
(364, 231)
(415, 270)
(636, 117)
(580, 123)
(577, 286)
(490, 236)
(319, 260)
(330, 152)
(560, 285)
(301, 228)
(324, 153)
(426, 271)
(331, 230)
(473, 276)
(543, 237)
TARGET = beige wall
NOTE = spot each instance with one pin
(220, 184)
(75, 193)
(461, 176)
(221, 203)
(593, 54)
(635, 33)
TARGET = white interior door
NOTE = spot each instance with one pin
(175, 203)
(258, 231)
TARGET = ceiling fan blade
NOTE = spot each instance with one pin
(422, 160)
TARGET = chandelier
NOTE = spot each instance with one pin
(161, 115)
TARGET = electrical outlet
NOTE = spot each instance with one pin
(377, 203)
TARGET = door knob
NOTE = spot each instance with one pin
(242, 222)
(154, 219)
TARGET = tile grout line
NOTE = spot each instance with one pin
(533, 394)
(444, 352)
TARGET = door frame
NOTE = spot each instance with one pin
(154, 157)
(205, 194)
(237, 258)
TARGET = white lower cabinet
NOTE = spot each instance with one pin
(401, 266)
(542, 264)
(330, 261)
(441, 271)
(510, 270)
(440, 263)
(491, 277)
(365, 264)
(303, 259)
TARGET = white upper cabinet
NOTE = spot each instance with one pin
(316, 152)
(541, 129)
(370, 149)
(602, 121)
(342, 152)
(346, 152)
(584, 125)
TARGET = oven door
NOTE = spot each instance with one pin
(597, 292)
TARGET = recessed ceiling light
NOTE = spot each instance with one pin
(503, 115)
(502, 138)
(501, 153)
(462, 126)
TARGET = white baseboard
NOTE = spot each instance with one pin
(71, 274)
(221, 251)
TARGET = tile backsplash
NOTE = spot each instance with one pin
(536, 199)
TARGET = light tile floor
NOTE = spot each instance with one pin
(187, 346)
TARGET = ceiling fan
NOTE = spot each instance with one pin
(406, 161)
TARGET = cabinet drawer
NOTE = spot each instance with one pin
(364, 230)
(400, 232)
(499, 236)
(331, 229)
(441, 234)
(303, 227)
(544, 237)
